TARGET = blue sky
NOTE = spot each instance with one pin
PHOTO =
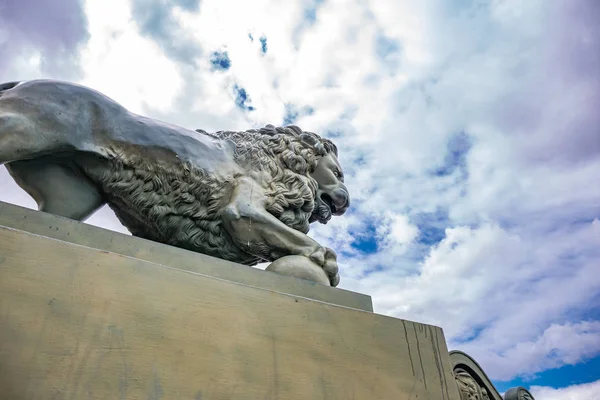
(469, 133)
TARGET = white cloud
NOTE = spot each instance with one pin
(558, 345)
(584, 391)
(121, 63)
(401, 230)
(512, 266)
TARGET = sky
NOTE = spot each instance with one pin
(469, 131)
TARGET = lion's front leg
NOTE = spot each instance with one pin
(261, 234)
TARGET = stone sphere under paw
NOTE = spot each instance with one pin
(300, 267)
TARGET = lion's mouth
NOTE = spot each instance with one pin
(329, 202)
(324, 209)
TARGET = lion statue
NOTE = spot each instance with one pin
(247, 197)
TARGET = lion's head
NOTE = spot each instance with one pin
(306, 180)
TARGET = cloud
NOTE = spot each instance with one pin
(558, 345)
(156, 19)
(41, 39)
(584, 391)
(542, 113)
(468, 132)
(489, 289)
(292, 113)
(117, 60)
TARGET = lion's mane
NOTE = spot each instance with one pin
(182, 205)
(289, 155)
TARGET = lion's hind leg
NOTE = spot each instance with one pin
(57, 188)
(13, 136)
(29, 131)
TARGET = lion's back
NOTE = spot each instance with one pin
(74, 117)
(87, 120)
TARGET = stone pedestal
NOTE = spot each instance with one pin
(87, 313)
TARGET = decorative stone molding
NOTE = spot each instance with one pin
(474, 384)
(518, 393)
(468, 386)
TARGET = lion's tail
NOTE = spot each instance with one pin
(7, 86)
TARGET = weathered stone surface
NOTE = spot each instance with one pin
(78, 322)
(78, 233)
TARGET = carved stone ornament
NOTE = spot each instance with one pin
(247, 197)
(474, 384)
(518, 393)
(468, 386)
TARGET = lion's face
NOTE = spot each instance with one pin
(332, 196)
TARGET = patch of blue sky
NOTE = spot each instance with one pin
(310, 12)
(365, 239)
(220, 61)
(263, 44)
(384, 47)
(432, 226)
(310, 16)
(584, 372)
(474, 334)
(188, 5)
(242, 99)
(457, 149)
(292, 113)
(373, 269)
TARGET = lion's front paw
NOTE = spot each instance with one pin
(327, 258)
(331, 267)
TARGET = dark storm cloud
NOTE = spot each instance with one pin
(155, 19)
(55, 28)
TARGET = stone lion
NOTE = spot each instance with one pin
(247, 197)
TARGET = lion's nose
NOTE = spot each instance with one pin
(341, 201)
